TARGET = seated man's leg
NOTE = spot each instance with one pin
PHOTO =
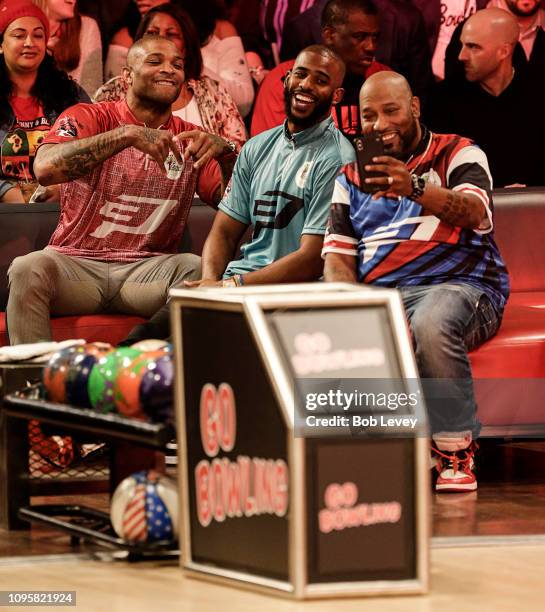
(144, 292)
(46, 282)
(446, 322)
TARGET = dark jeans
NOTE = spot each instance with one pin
(447, 321)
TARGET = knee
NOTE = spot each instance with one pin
(32, 270)
(188, 267)
(194, 266)
(432, 329)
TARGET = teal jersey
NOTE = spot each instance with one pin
(282, 186)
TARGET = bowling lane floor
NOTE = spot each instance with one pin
(476, 579)
(510, 501)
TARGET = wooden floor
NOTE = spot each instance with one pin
(510, 501)
(502, 579)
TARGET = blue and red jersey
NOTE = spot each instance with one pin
(398, 243)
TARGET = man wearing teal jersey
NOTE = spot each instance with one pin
(282, 186)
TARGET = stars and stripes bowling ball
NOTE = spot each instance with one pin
(55, 372)
(157, 390)
(127, 384)
(79, 371)
(144, 508)
(102, 378)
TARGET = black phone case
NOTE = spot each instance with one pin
(368, 146)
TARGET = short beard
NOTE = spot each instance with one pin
(407, 141)
(320, 111)
(516, 11)
(158, 105)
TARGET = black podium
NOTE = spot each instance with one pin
(277, 495)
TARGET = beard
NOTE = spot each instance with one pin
(512, 5)
(153, 100)
(320, 111)
(407, 141)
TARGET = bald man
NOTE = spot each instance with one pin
(427, 231)
(281, 187)
(494, 104)
(128, 172)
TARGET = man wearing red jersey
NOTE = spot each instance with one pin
(128, 172)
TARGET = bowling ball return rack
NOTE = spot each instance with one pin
(133, 444)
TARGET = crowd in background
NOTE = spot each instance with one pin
(237, 53)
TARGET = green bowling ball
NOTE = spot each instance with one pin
(101, 383)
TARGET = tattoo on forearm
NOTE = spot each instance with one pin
(77, 158)
(457, 209)
(150, 135)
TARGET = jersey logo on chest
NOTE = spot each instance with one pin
(265, 211)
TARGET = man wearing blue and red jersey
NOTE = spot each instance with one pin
(427, 232)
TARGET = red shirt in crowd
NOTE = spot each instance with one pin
(125, 209)
(19, 146)
(269, 105)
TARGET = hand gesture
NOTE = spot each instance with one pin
(203, 146)
(397, 179)
(156, 143)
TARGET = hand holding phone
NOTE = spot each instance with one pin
(367, 147)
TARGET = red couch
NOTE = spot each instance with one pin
(28, 227)
(509, 370)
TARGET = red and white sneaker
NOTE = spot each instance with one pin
(455, 468)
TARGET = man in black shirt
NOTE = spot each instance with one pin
(494, 105)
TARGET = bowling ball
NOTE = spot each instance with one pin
(79, 371)
(127, 384)
(102, 378)
(157, 390)
(144, 508)
(150, 345)
(55, 372)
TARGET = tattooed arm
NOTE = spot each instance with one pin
(67, 161)
(458, 208)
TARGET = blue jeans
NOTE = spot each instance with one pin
(447, 321)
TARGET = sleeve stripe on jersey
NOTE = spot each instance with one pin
(340, 194)
(338, 244)
(469, 155)
(341, 238)
(332, 249)
(480, 193)
(486, 224)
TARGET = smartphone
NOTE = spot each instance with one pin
(368, 146)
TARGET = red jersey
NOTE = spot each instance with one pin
(125, 209)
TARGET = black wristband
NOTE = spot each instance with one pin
(419, 184)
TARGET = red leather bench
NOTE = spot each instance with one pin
(509, 370)
(28, 227)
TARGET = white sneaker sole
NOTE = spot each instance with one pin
(456, 488)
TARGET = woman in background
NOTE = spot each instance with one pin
(223, 55)
(33, 93)
(124, 37)
(75, 42)
(202, 100)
